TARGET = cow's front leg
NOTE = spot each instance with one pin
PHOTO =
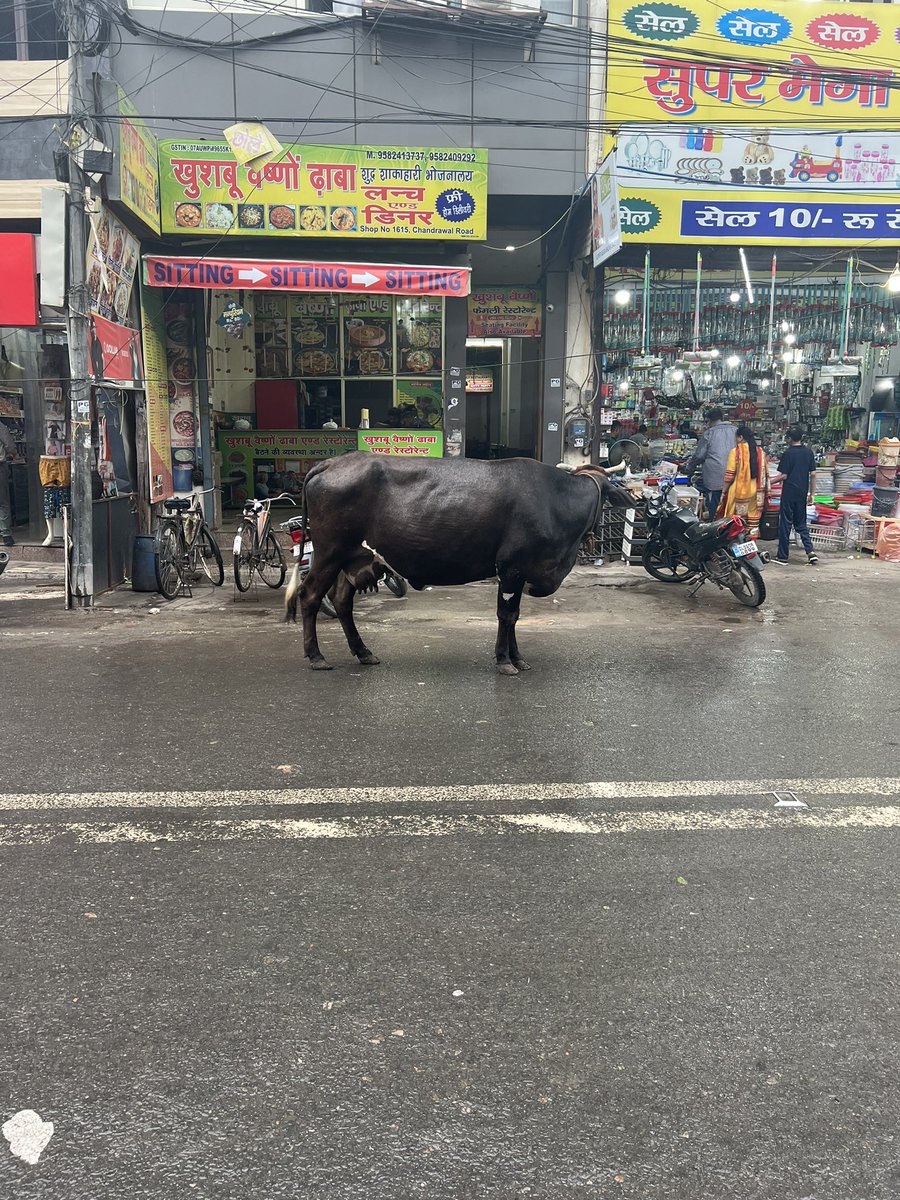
(342, 595)
(314, 586)
(509, 595)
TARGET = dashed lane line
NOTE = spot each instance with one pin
(98, 833)
(495, 793)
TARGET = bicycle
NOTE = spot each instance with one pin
(256, 548)
(185, 548)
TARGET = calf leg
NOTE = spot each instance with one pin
(506, 651)
(342, 595)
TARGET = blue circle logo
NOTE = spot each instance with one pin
(754, 27)
(455, 205)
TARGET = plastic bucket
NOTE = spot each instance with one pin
(143, 568)
(183, 477)
(885, 501)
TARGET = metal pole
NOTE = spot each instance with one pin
(645, 331)
(81, 581)
(697, 302)
(848, 292)
(771, 341)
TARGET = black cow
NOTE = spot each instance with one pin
(444, 521)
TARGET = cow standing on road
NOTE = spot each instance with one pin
(442, 522)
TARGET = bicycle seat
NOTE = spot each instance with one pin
(177, 504)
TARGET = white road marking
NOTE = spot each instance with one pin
(496, 793)
(27, 1135)
(85, 833)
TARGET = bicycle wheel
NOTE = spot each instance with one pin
(271, 562)
(207, 557)
(243, 558)
(166, 559)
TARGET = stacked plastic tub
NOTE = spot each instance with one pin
(886, 497)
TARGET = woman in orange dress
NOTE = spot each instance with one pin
(746, 481)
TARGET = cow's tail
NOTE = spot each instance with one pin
(293, 587)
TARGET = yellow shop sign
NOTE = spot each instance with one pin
(325, 191)
(800, 64)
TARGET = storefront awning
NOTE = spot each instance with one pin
(289, 275)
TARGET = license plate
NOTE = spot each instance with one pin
(743, 549)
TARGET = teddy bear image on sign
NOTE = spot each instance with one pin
(758, 151)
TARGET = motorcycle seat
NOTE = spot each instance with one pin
(702, 529)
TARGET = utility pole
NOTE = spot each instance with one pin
(82, 568)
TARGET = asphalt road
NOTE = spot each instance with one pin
(421, 930)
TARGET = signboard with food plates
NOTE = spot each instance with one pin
(406, 193)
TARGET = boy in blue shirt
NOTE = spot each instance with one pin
(797, 468)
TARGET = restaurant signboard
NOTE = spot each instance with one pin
(313, 191)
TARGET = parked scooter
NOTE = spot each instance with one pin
(682, 549)
(304, 553)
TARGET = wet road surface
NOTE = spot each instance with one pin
(418, 930)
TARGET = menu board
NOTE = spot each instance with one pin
(156, 386)
(368, 335)
(112, 259)
(420, 339)
(425, 394)
(273, 351)
(315, 335)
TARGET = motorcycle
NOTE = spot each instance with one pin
(304, 553)
(681, 548)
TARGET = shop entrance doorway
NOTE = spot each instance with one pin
(502, 381)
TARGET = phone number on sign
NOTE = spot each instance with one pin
(732, 219)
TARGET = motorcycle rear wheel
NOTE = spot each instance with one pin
(396, 584)
(665, 564)
(747, 585)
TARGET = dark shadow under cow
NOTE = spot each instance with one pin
(441, 522)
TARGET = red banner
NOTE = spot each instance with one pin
(18, 270)
(280, 275)
(114, 352)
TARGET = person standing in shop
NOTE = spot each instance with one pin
(797, 468)
(7, 454)
(712, 452)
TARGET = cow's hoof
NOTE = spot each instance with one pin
(320, 664)
(507, 669)
(522, 664)
(368, 659)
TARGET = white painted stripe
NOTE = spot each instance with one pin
(97, 833)
(496, 793)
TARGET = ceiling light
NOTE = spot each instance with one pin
(714, 354)
(678, 376)
(790, 339)
(893, 281)
(510, 248)
(622, 296)
(785, 326)
(735, 297)
(765, 384)
(733, 360)
(788, 356)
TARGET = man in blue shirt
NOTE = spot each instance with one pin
(797, 468)
(712, 451)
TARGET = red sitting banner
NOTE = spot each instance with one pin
(289, 276)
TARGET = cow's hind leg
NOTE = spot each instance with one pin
(312, 589)
(342, 595)
(509, 596)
